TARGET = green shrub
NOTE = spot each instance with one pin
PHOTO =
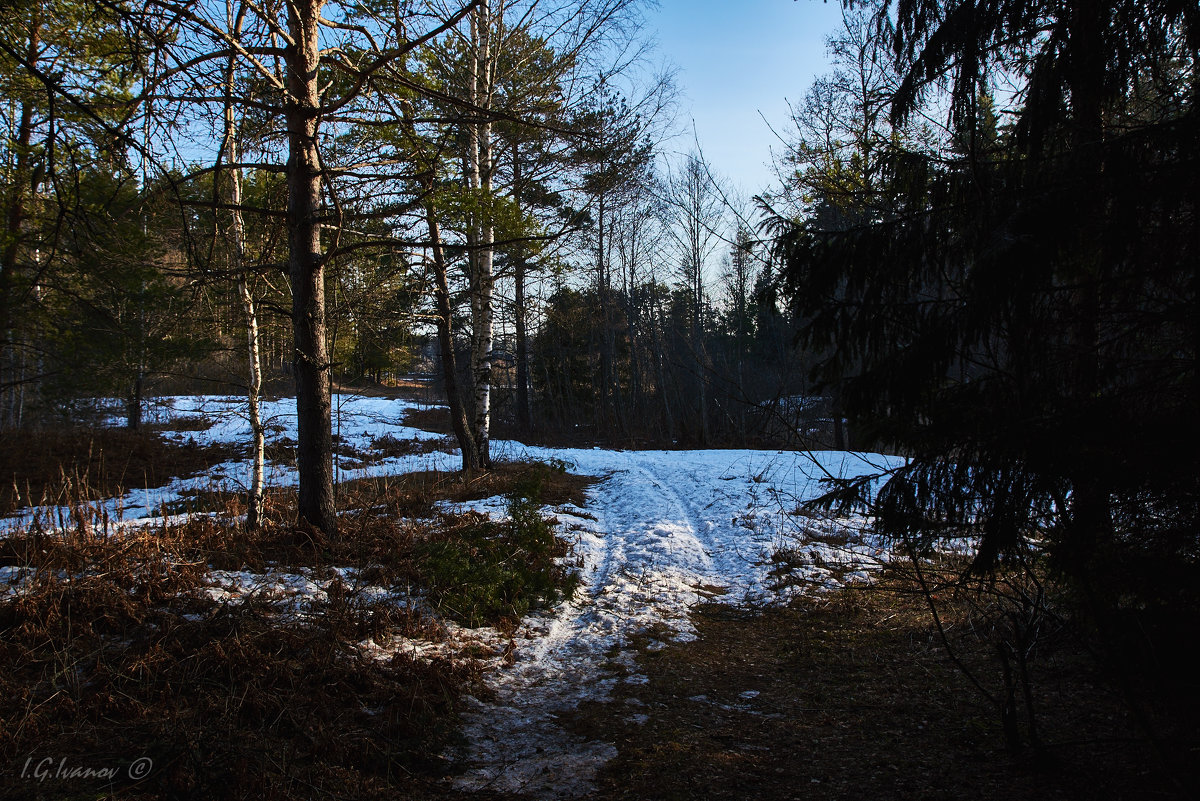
(497, 571)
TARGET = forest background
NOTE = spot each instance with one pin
(980, 254)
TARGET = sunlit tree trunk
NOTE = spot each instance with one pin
(237, 257)
(254, 502)
(306, 269)
(458, 414)
(479, 176)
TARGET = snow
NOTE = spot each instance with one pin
(14, 580)
(358, 421)
(662, 532)
(291, 592)
(666, 530)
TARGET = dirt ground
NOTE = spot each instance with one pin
(853, 697)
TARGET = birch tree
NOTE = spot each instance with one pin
(241, 273)
(481, 232)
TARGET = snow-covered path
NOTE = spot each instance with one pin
(670, 529)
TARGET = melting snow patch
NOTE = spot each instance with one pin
(495, 507)
(291, 592)
(358, 423)
(14, 580)
(660, 528)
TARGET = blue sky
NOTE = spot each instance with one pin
(737, 58)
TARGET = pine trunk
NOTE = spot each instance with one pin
(458, 414)
(306, 270)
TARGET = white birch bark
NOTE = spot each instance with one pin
(480, 87)
(254, 500)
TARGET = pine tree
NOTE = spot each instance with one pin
(1020, 319)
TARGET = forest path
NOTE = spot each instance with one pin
(641, 555)
(662, 532)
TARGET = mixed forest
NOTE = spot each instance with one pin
(981, 255)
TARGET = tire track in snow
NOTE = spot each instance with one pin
(700, 533)
(689, 569)
(639, 576)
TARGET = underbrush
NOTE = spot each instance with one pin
(1027, 645)
(120, 645)
(57, 466)
(282, 450)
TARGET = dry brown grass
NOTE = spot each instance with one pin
(388, 446)
(856, 699)
(555, 487)
(436, 420)
(282, 450)
(110, 650)
(53, 466)
(407, 387)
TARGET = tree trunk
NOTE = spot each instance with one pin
(524, 411)
(306, 271)
(598, 414)
(482, 277)
(839, 425)
(254, 501)
(237, 255)
(636, 401)
(702, 370)
(133, 406)
(661, 371)
(458, 414)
